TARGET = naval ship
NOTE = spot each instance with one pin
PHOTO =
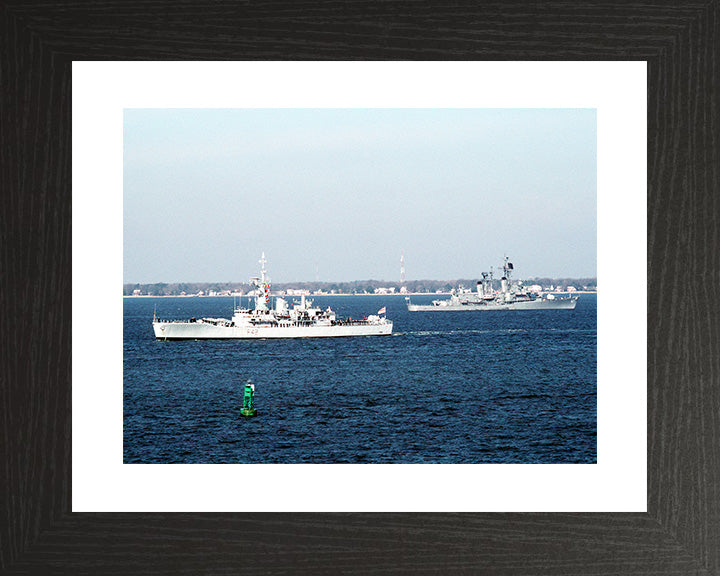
(301, 320)
(512, 296)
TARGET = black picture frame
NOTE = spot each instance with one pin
(680, 533)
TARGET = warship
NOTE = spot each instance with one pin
(281, 320)
(511, 296)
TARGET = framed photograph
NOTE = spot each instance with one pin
(73, 505)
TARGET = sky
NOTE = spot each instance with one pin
(339, 194)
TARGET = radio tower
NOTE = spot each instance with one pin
(402, 267)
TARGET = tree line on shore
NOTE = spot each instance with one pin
(355, 287)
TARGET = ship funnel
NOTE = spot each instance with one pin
(504, 284)
(281, 305)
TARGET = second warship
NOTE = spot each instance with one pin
(511, 296)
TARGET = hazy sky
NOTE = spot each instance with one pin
(338, 193)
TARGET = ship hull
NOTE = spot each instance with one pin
(207, 331)
(540, 304)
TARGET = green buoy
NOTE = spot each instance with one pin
(248, 408)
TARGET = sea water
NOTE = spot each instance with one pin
(445, 387)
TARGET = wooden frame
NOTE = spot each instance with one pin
(680, 533)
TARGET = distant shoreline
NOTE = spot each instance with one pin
(321, 295)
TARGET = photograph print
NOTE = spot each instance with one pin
(360, 285)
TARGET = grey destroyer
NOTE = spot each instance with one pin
(511, 296)
(281, 320)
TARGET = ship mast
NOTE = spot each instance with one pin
(263, 272)
(506, 269)
(262, 298)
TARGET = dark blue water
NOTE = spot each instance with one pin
(446, 387)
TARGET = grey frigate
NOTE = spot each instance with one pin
(511, 296)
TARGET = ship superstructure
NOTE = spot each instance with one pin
(511, 296)
(281, 320)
